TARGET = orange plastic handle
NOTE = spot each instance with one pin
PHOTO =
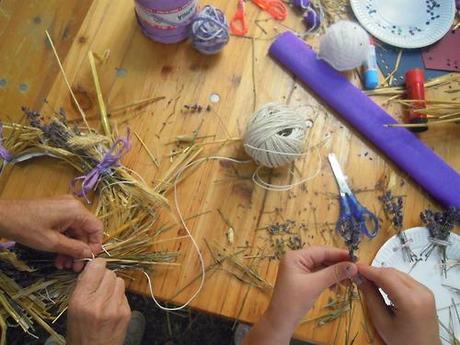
(238, 25)
(276, 8)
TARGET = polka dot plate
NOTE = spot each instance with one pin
(405, 23)
(429, 272)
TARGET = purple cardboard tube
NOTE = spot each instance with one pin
(400, 145)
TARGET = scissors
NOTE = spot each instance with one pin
(239, 17)
(350, 208)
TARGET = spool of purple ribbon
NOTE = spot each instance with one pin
(166, 21)
(111, 159)
(4, 153)
(301, 4)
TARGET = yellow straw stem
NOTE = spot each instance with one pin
(100, 99)
(137, 103)
(82, 113)
(152, 157)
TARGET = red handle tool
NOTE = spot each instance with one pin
(238, 25)
(415, 91)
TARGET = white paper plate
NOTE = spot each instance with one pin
(426, 272)
(405, 23)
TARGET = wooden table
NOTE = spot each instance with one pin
(245, 78)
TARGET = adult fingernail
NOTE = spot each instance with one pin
(90, 265)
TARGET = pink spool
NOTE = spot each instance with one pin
(166, 21)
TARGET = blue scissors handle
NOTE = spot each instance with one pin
(350, 207)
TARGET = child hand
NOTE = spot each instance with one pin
(412, 319)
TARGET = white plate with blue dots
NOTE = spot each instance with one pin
(405, 23)
(429, 272)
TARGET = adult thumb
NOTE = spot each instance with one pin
(334, 274)
(74, 248)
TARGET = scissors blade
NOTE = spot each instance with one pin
(339, 175)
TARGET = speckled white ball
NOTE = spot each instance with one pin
(345, 45)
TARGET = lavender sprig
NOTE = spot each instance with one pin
(350, 231)
(393, 208)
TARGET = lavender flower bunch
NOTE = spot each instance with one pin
(393, 208)
(440, 225)
(350, 232)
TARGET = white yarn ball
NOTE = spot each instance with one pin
(345, 45)
(275, 135)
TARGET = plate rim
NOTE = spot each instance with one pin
(409, 43)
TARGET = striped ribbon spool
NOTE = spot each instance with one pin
(166, 21)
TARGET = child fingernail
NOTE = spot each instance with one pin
(349, 270)
(358, 280)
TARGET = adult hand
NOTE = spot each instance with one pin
(61, 225)
(412, 318)
(99, 312)
(302, 276)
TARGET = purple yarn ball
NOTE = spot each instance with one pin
(210, 31)
(457, 4)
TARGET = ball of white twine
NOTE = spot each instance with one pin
(275, 135)
(345, 45)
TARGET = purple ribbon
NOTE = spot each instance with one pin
(4, 153)
(111, 160)
(7, 245)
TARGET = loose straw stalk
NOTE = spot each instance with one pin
(399, 91)
(66, 80)
(437, 111)
(104, 119)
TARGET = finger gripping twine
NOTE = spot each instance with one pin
(111, 159)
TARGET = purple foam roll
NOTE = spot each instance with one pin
(399, 144)
(166, 21)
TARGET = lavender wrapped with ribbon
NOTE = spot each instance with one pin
(111, 159)
(4, 153)
(7, 245)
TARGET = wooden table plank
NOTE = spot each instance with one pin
(139, 68)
